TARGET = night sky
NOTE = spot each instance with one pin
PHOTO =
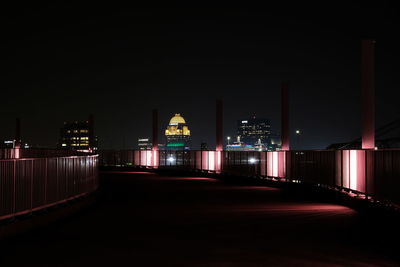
(63, 62)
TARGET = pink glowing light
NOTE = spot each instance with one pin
(155, 158)
(211, 160)
(275, 164)
(353, 169)
(148, 158)
(269, 164)
(17, 153)
(218, 161)
(204, 160)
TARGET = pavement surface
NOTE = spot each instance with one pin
(144, 219)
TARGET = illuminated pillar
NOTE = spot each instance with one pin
(154, 139)
(219, 145)
(17, 133)
(285, 117)
(219, 126)
(368, 94)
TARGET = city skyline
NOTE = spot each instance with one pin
(119, 64)
(206, 136)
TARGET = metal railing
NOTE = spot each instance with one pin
(30, 184)
(367, 173)
(15, 153)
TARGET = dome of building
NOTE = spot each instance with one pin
(177, 119)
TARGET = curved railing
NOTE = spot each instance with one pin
(31, 184)
(371, 174)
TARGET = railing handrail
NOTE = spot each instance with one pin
(31, 184)
(369, 172)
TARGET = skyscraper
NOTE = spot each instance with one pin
(78, 135)
(254, 131)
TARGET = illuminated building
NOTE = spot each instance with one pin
(8, 144)
(254, 134)
(254, 130)
(144, 144)
(177, 134)
(12, 144)
(78, 135)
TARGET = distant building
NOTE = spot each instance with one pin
(78, 135)
(275, 142)
(254, 130)
(144, 144)
(177, 134)
(238, 145)
(254, 134)
(8, 144)
(12, 144)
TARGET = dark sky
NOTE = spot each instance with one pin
(63, 62)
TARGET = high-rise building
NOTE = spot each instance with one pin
(78, 135)
(177, 134)
(254, 131)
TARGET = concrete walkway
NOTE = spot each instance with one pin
(143, 219)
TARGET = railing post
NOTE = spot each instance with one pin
(14, 187)
(45, 181)
(32, 161)
(154, 139)
(17, 144)
(219, 147)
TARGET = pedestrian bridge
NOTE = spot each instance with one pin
(370, 174)
(150, 219)
(146, 219)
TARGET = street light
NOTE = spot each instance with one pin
(228, 138)
(298, 132)
(171, 159)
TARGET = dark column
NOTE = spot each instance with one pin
(368, 94)
(219, 146)
(154, 139)
(17, 133)
(285, 117)
(92, 142)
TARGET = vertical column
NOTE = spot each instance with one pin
(17, 144)
(219, 126)
(285, 116)
(368, 94)
(154, 139)
(219, 145)
(17, 133)
(92, 142)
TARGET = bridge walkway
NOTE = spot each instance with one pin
(144, 219)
